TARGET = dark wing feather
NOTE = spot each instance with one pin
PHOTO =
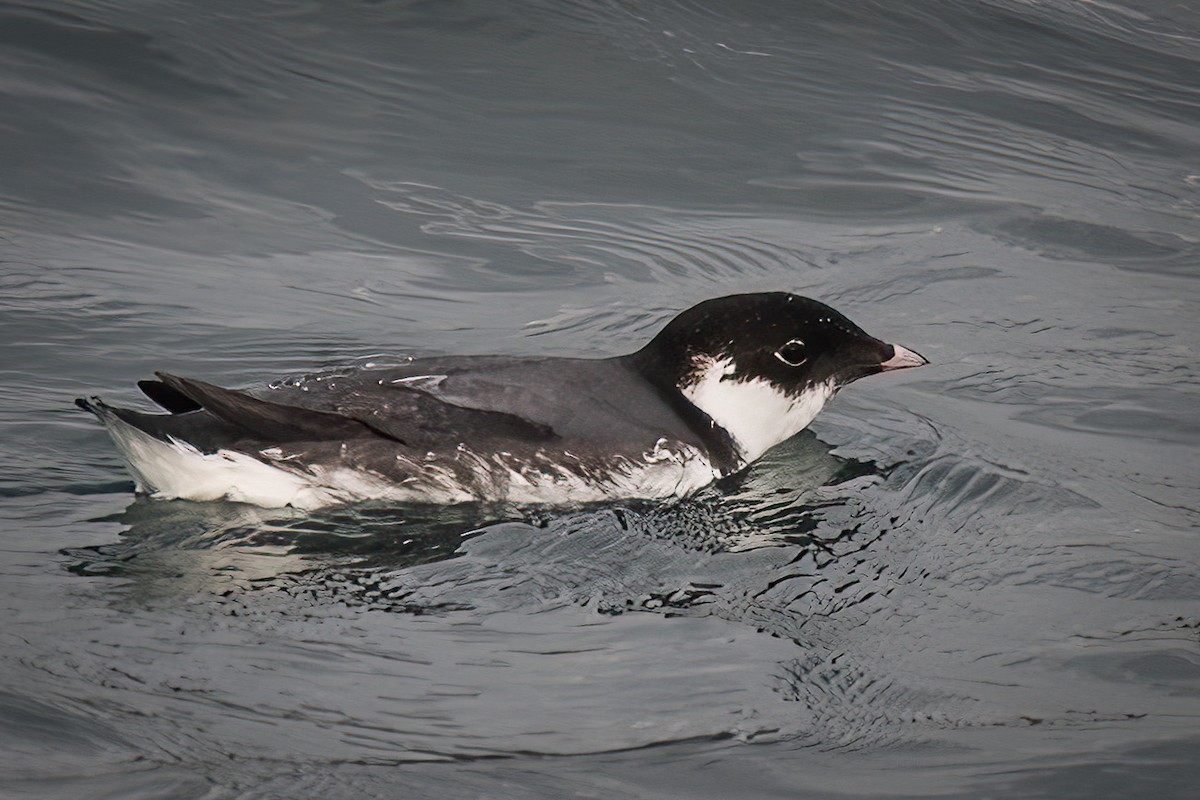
(267, 420)
(407, 416)
(583, 405)
(199, 428)
(422, 420)
(170, 399)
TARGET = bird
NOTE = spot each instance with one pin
(719, 385)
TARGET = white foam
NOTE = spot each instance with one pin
(756, 413)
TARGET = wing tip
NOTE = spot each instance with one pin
(169, 395)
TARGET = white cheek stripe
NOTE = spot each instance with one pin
(755, 413)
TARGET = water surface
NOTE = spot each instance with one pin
(979, 579)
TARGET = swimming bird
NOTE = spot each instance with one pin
(718, 386)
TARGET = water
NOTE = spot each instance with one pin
(978, 579)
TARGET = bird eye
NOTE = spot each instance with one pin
(792, 353)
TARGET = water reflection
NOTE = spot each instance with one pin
(998, 598)
(183, 548)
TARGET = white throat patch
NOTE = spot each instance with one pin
(755, 413)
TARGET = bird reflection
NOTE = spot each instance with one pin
(182, 549)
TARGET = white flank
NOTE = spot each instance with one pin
(667, 470)
(174, 469)
(755, 413)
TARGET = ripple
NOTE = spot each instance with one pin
(569, 241)
(963, 565)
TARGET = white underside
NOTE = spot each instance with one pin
(176, 470)
(754, 412)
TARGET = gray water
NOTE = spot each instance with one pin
(977, 579)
